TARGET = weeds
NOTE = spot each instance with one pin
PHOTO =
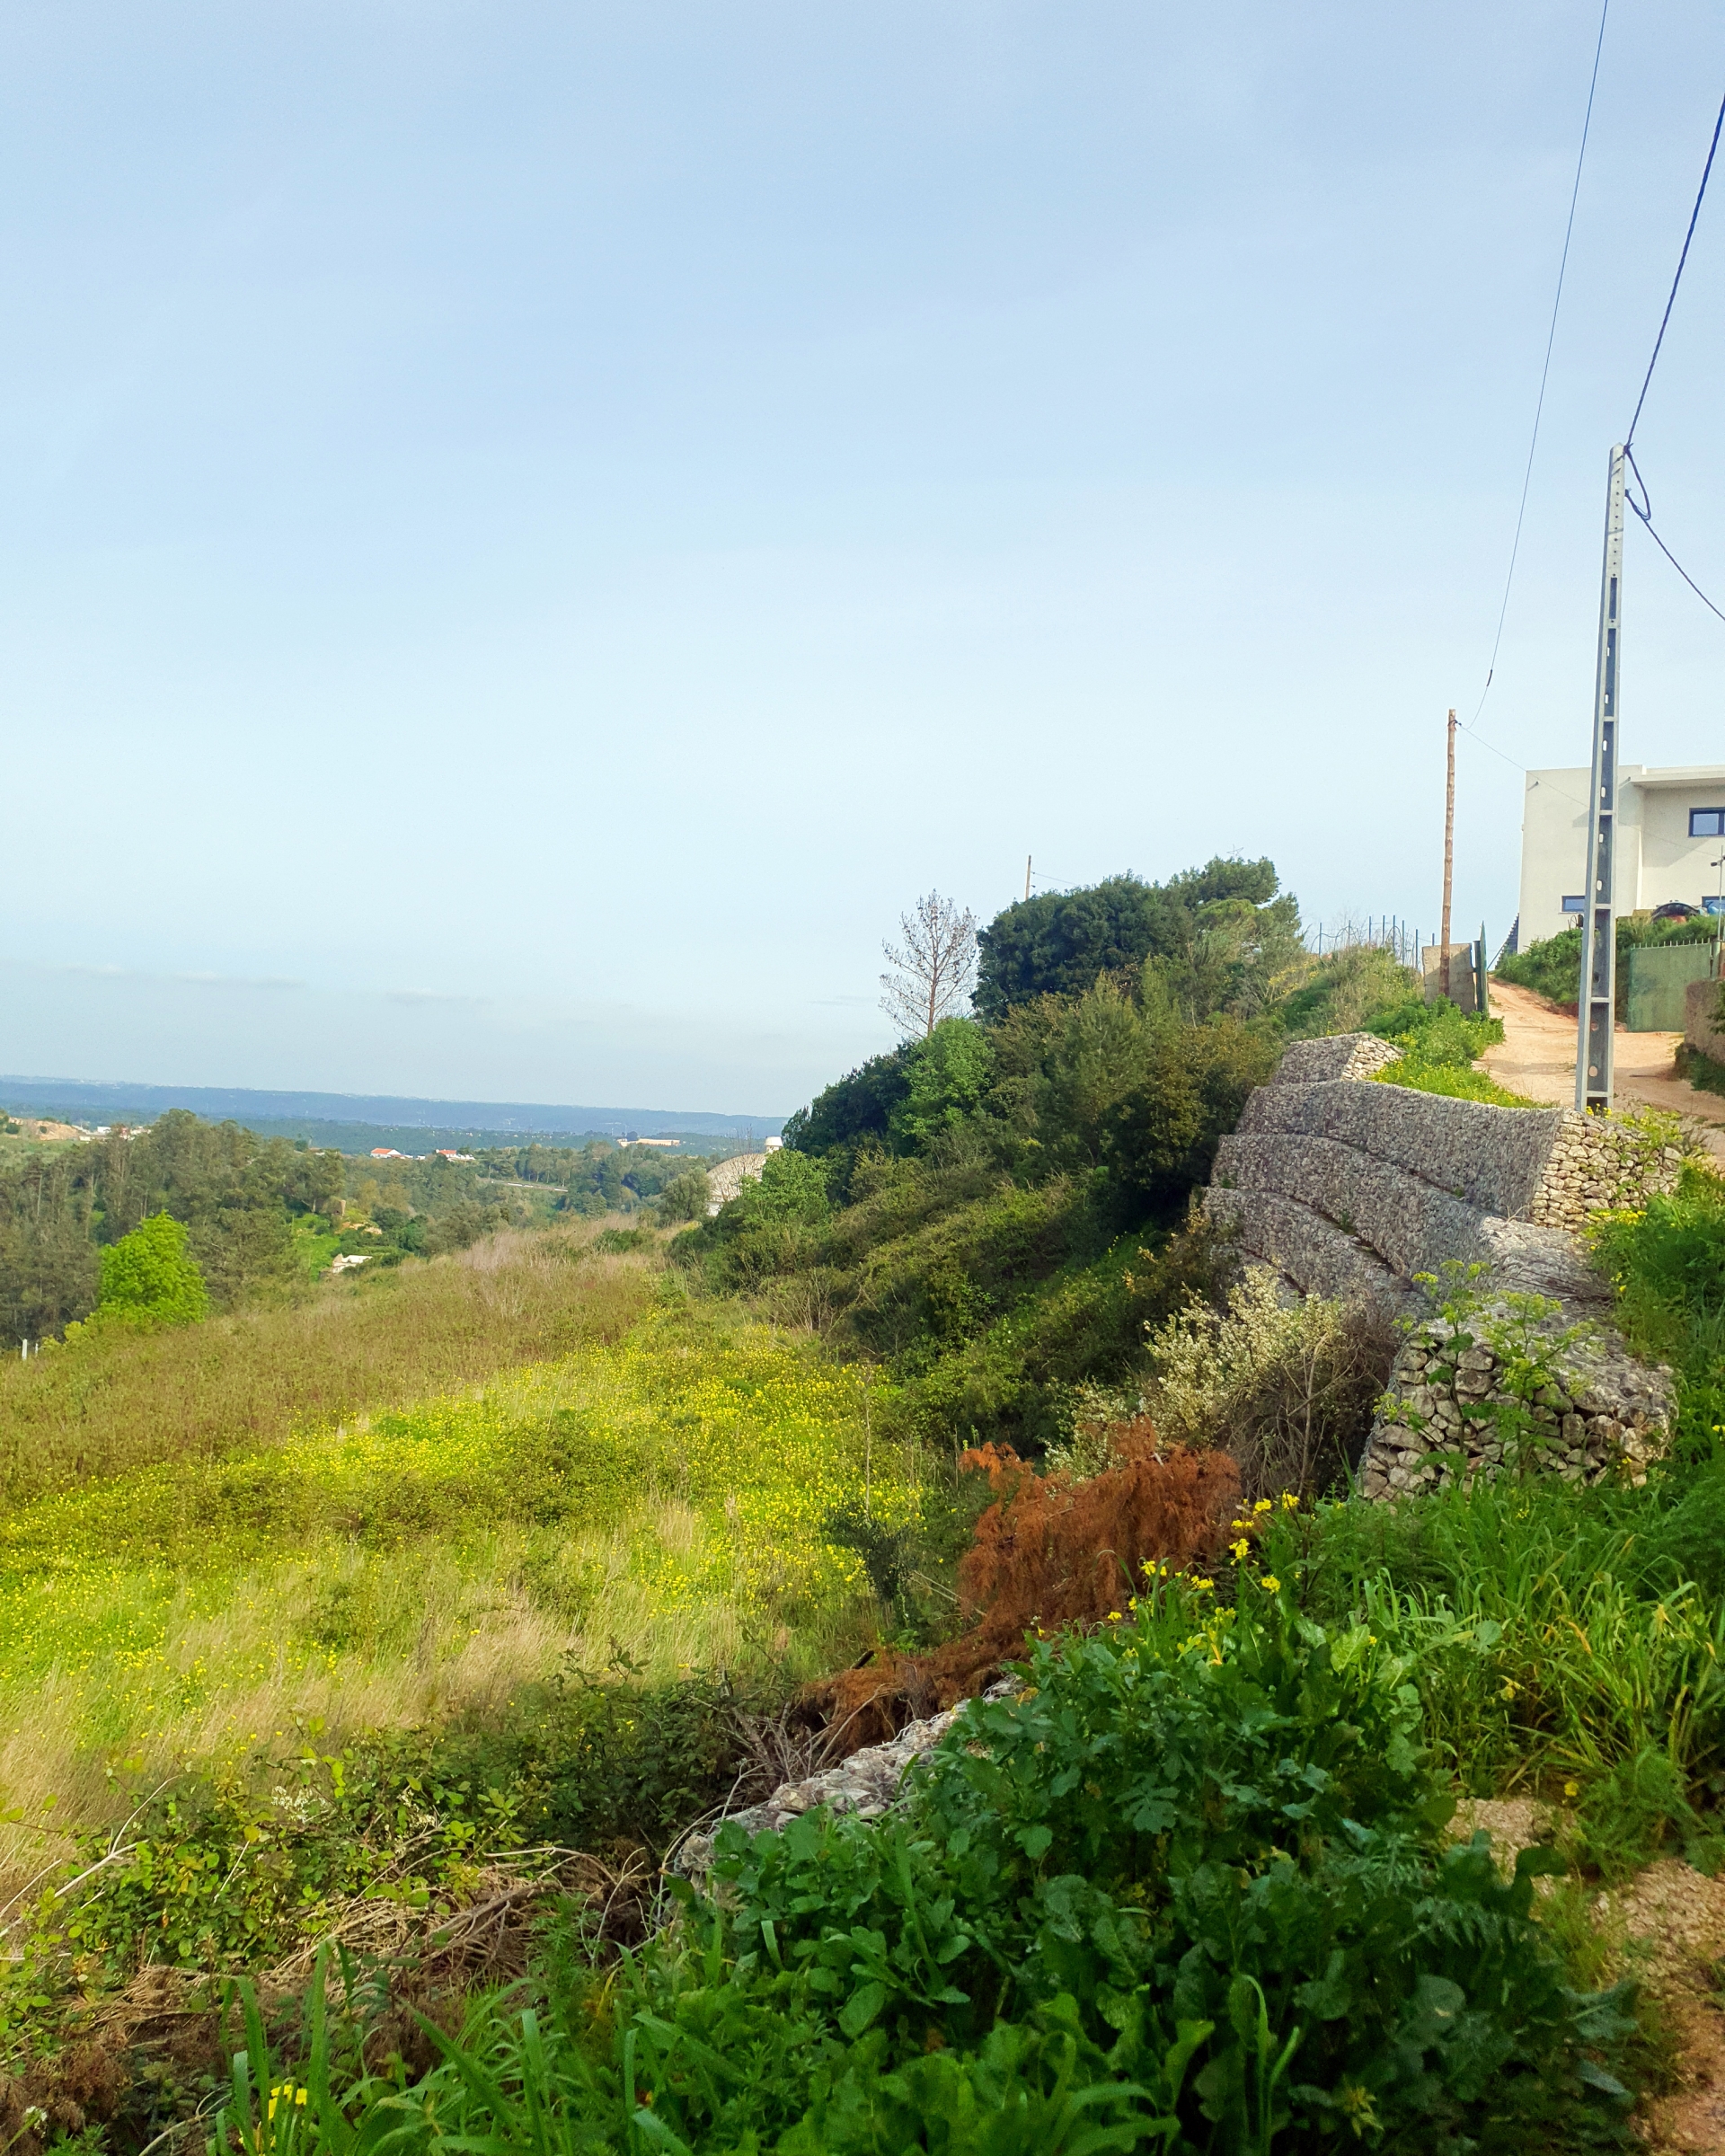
(1286, 1388)
(1183, 1895)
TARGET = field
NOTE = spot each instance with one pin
(253, 1378)
(367, 1649)
(651, 1496)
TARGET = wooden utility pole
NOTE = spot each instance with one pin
(1027, 878)
(1449, 854)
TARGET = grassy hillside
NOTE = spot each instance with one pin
(254, 1378)
(374, 1641)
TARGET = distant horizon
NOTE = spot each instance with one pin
(37, 1095)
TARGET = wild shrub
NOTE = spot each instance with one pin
(1047, 1551)
(1053, 1551)
(149, 1280)
(1287, 1389)
(1182, 1893)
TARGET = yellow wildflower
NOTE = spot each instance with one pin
(1270, 1584)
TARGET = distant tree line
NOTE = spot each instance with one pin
(596, 1178)
(235, 1194)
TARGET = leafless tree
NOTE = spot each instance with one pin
(934, 967)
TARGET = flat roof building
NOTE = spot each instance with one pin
(1670, 837)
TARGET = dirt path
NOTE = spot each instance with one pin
(1668, 1929)
(1537, 1058)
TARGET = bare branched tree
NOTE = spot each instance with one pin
(933, 969)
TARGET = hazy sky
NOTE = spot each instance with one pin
(531, 532)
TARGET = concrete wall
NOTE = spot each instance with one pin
(1701, 1028)
(1656, 860)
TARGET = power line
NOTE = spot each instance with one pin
(1629, 439)
(1644, 508)
(1545, 371)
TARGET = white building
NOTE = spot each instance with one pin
(1669, 841)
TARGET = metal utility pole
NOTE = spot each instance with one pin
(1595, 1006)
(1718, 911)
(1449, 856)
(1027, 878)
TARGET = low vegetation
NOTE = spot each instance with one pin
(1553, 968)
(367, 1645)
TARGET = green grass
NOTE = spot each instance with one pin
(335, 1350)
(1454, 1082)
(1557, 1635)
(661, 1495)
(314, 1244)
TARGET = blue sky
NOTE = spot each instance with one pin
(530, 533)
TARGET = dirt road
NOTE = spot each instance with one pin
(1537, 1058)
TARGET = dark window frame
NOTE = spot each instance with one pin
(1715, 829)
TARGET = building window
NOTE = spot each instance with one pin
(1707, 823)
(1578, 905)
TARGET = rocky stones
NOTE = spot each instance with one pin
(867, 1784)
(1450, 1412)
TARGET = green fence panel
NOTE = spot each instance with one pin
(1659, 975)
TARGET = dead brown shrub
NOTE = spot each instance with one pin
(1052, 1551)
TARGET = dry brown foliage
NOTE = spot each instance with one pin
(1052, 1550)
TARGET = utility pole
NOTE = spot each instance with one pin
(1595, 1004)
(1718, 911)
(1449, 854)
(1027, 878)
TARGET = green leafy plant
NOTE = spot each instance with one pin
(148, 1278)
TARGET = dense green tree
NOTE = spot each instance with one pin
(1061, 942)
(685, 1197)
(860, 1105)
(150, 1278)
(947, 1076)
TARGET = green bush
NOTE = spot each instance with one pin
(1183, 1893)
(148, 1278)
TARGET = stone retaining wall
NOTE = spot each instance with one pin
(1701, 1019)
(1449, 1413)
(1347, 1186)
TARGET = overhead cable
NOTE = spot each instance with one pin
(1544, 375)
(1644, 508)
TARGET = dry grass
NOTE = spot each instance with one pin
(359, 1639)
(104, 1408)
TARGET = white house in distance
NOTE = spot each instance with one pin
(1670, 838)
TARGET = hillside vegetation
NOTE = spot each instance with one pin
(369, 1644)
